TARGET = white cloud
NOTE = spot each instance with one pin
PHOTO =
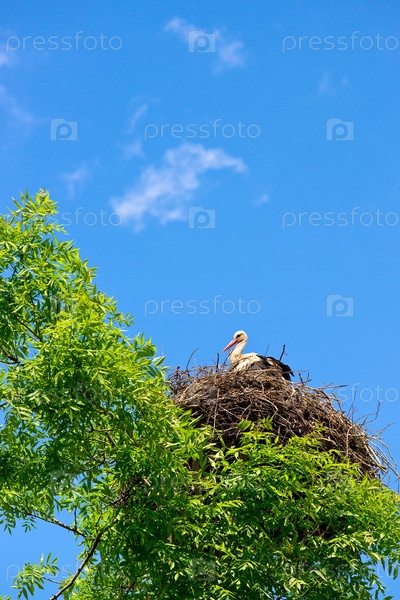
(326, 87)
(180, 27)
(163, 192)
(325, 84)
(5, 58)
(17, 116)
(132, 150)
(75, 180)
(139, 112)
(263, 199)
(229, 54)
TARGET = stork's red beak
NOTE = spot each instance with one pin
(232, 343)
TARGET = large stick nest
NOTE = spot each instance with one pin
(224, 398)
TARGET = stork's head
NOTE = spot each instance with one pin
(239, 337)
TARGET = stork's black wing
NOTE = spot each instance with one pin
(268, 362)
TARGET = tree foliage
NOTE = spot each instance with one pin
(91, 442)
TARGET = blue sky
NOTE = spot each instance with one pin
(225, 166)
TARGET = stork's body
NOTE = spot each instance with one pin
(251, 360)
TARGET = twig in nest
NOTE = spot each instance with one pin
(190, 358)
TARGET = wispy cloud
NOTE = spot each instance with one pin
(138, 112)
(181, 28)
(229, 54)
(7, 59)
(326, 87)
(132, 150)
(138, 109)
(17, 116)
(76, 180)
(162, 193)
(14, 114)
(263, 199)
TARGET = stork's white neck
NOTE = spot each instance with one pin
(236, 353)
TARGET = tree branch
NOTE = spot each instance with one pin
(35, 335)
(14, 359)
(55, 521)
(88, 556)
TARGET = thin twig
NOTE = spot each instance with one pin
(51, 580)
(35, 335)
(55, 521)
(84, 562)
(190, 358)
(14, 359)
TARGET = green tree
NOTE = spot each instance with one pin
(91, 442)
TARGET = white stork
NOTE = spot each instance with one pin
(252, 360)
